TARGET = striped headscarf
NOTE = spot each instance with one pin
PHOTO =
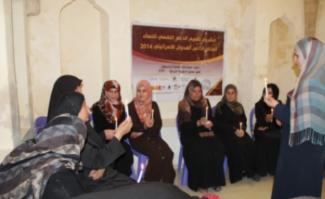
(308, 98)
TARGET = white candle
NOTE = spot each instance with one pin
(240, 125)
(126, 107)
(152, 113)
(115, 118)
(141, 173)
(206, 112)
(265, 85)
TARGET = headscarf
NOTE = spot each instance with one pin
(64, 84)
(26, 170)
(144, 108)
(307, 103)
(234, 106)
(184, 106)
(109, 107)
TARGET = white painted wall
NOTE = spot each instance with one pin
(52, 46)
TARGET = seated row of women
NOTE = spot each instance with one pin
(206, 139)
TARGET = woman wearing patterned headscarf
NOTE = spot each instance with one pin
(203, 150)
(267, 134)
(230, 121)
(108, 113)
(302, 152)
(25, 172)
(145, 135)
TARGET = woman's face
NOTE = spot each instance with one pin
(84, 112)
(78, 89)
(231, 95)
(142, 93)
(296, 59)
(112, 94)
(195, 93)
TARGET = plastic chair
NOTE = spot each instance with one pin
(40, 123)
(142, 160)
(251, 121)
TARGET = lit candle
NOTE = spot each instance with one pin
(152, 113)
(240, 125)
(126, 107)
(206, 112)
(272, 110)
(265, 85)
(141, 173)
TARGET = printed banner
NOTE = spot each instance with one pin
(170, 57)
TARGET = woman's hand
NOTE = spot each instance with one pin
(109, 134)
(124, 128)
(270, 101)
(135, 135)
(240, 133)
(149, 122)
(269, 118)
(96, 174)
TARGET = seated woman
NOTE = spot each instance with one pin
(230, 121)
(203, 150)
(25, 171)
(267, 134)
(97, 157)
(145, 135)
(107, 113)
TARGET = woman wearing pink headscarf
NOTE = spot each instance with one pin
(145, 135)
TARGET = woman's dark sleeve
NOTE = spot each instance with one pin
(155, 129)
(137, 125)
(98, 154)
(260, 116)
(223, 121)
(100, 122)
(282, 113)
(189, 129)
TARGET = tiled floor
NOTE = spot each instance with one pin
(245, 189)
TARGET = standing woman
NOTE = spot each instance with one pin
(108, 112)
(145, 135)
(203, 151)
(302, 153)
(267, 134)
(230, 120)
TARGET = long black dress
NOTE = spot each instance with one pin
(124, 162)
(267, 141)
(300, 168)
(150, 143)
(203, 156)
(239, 151)
(95, 155)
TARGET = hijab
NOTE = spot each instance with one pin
(71, 104)
(184, 106)
(64, 84)
(109, 107)
(307, 104)
(25, 171)
(234, 106)
(143, 107)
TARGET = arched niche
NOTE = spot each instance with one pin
(83, 44)
(281, 43)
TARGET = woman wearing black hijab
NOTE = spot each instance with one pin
(267, 134)
(64, 84)
(97, 157)
(230, 121)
